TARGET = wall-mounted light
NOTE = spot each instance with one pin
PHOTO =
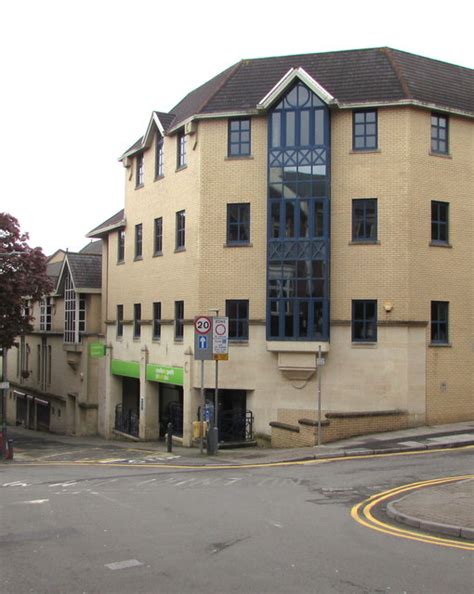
(388, 306)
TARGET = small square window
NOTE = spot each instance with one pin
(121, 245)
(439, 322)
(364, 219)
(181, 150)
(239, 137)
(159, 157)
(158, 237)
(180, 229)
(364, 320)
(137, 319)
(139, 180)
(364, 130)
(238, 223)
(178, 320)
(439, 221)
(439, 134)
(156, 321)
(138, 241)
(119, 321)
(238, 313)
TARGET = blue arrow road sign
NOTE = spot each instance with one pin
(203, 342)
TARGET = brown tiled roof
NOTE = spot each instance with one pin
(373, 76)
(114, 222)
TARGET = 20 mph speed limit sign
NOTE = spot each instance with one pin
(203, 325)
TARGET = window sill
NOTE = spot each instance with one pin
(137, 258)
(437, 345)
(139, 187)
(442, 155)
(362, 151)
(156, 340)
(364, 345)
(157, 254)
(179, 249)
(180, 168)
(178, 341)
(365, 242)
(158, 177)
(441, 244)
(136, 338)
(238, 245)
(239, 343)
(239, 158)
(120, 262)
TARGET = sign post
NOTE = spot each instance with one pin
(320, 361)
(202, 352)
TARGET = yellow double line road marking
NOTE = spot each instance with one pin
(362, 513)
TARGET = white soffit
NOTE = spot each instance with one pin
(287, 80)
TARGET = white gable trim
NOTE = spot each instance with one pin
(287, 80)
(153, 120)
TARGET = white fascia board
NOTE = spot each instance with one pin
(87, 291)
(287, 80)
(58, 282)
(153, 120)
(106, 230)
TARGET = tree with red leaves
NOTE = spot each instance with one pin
(22, 275)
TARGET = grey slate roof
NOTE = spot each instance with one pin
(86, 270)
(53, 270)
(365, 76)
(115, 221)
(93, 247)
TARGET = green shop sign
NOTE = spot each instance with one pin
(96, 350)
(125, 368)
(164, 374)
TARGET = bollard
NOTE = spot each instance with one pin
(169, 438)
(212, 441)
(9, 455)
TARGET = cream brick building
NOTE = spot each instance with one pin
(324, 203)
(54, 371)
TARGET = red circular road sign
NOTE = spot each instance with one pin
(202, 325)
(220, 329)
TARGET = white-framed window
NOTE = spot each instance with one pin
(74, 312)
(46, 308)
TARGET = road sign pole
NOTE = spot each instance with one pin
(203, 404)
(320, 369)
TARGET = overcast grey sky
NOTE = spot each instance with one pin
(80, 80)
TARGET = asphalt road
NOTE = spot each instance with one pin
(87, 529)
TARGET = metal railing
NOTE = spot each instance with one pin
(126, 421)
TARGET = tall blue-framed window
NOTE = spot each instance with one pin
(298, 218)
(180, 230)
(238, 223)
(121, 245)
(364, 130)
(237, 310)
(159, 156)
(364, 219)
(140, 172)
(158, 237)
(439, 222)
(138, 241)
(178, 320)
(239, 137)
(137, 320)
(119, 321)
(439, 134)
(364, 320)
(439, 322)
(182, 159)
(156, 320)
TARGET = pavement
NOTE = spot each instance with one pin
(446, 509)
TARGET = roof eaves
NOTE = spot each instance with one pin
(405, 102)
